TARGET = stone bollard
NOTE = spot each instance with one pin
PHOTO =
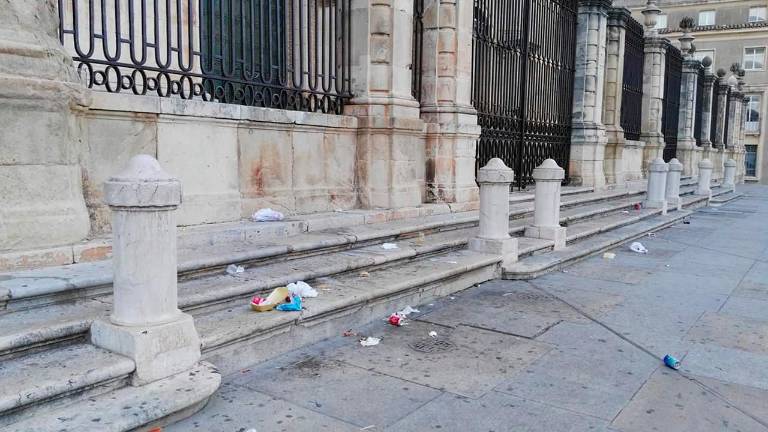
(705, 178)
(657, 185)
(546, 215)
(673, 184)
(729, 182)
(493, 238)
(146, 323)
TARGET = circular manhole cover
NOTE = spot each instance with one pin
(432, 345)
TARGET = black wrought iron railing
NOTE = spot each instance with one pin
(418, 48)
(288, 54)
(670, 117)
(699, 106)
(632, 88)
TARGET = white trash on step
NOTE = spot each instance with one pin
(433, 334)
(267, 215)
(389, 246)
(638, 247)
(370, 341)
(301, 289)
(407, 311)
(234, 269)
(609, 255)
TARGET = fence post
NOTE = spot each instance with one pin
(686, 141)
(653, 86)
(493, 238)
(546, 214)
(657, 185)
(146, 323)
(705, 178)
(588, 137)
(612, 103)
(729, 181)
(706, 120)
(673, 184)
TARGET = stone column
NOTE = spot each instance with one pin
(612, 102)
(41, 131)
(686, 143)
(673, 184)
(718, 141)
(390, 143)
(706, 101)
(657, 185)
(653, 86)
(705, 178)
(446, 105)
(588, 137)
(546, 215)
(493, 238)
(146, 323)
(729, 181)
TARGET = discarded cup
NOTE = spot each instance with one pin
(671, 362)
(396, 320)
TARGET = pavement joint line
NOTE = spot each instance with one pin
(496, 331)
(730, 294)
(549, 404)
(651, 354)
(714, 250)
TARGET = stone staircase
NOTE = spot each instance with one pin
(51, 378)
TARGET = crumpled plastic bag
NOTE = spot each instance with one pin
(638, 248)
(407, 311)
(267, 215)
(234, 269)
(370, 341)
(301, 289)
(293, 306)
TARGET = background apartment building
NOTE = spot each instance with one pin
(728, 31)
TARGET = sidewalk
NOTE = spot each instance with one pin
(577, 350)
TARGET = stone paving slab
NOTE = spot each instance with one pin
(495, 412)
(746, 307)
(727, 364)
(473, 363)
(731, 332)
(517, 309)
(671, 401)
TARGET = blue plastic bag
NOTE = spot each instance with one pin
(294, 305)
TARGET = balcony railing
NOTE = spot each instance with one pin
(288, 54)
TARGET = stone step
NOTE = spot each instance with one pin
(726, 197)
(529, 195)
(34, 288)
(128, 408)
(71, 372)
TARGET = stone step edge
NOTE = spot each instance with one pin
(88, 383)
(726, 197)
(594, 245)
(125, 409)
(101, 285)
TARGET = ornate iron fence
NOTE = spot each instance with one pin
(699, 106)
(671, 114)
(522, 87)
(418, 48)
(289, 54)
(632, 87)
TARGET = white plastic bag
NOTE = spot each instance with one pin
(370, 341)
(301, 289)
(407, 311)
(267, 215)
(389, 246)
(235, 269)
(638, 248)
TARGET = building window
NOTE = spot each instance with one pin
(661, 22)
(707, 18)
(752, 122)
(754, 58)
(757, 14)
(700, 54)
(750, 160)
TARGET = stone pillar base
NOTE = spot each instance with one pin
(554, 233)
(674, 203)
(686, 153)
(450, 159)
(614, 159)
(506, 248)
(159, 351)
(588, 156)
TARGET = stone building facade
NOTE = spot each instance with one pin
(385, 149)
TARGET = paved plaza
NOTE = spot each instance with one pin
(576, 350)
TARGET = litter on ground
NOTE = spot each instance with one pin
(638, 248)
(370, 341)
(396, 320)
(293, 306)
(671, 362)
(389, 246)
(407, 311)
(348, 333)
(267, 215)
(301, 289)
(364, 274)
(609, 255)
(235, 269)
(433, 334)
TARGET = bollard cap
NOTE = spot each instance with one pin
(495, 172)
(548, 170)
(705, 163)
(675, 165)
(143, 183)
(730, 163)
(658, 165)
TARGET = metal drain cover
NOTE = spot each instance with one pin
(432, 345)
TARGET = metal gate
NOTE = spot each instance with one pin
(522, 84)
(670, 116)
